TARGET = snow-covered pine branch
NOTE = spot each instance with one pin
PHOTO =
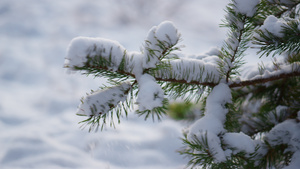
(249, 120)
(238, 20)
(278, 36)
(97, 105)
(103, 57)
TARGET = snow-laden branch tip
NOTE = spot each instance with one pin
(160, 39)
(102, 101)
(81, 49)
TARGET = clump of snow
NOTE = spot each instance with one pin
(295, 161)
(215, 103)
(239, 142)
(213, 120)
(100, 102)
(159, 38)
(206, 123)
(167, 33)
(215, 113)
(213, 142)
(82, 48)
(253, 70)
(135, 63)
(151, 50)
(189, 69)
(295, 140)
(247, 7)
(273, 25)
(284, 133)
(269, 71)
(150, 93)
(214, 51)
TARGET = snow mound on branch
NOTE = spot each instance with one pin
(167, 33)
(101, 102)
(284, 133)
(239, 142)
(295, 161)
(287, 133)
(189, 69)
(215, 104)
(213, 120)
(216, 111)
(213, 142)
(270, 70)
(151, 51)
(150, 93)
(247, 7)
(82, 48)
(159, 38)
(135, 63)
(273, 25)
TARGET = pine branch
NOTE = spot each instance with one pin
(265, 80)
(240, 31)
(234, 55)
(210, 84)
(199, 151)
(105, 104)
(154, 73)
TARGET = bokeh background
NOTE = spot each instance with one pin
(39, 98)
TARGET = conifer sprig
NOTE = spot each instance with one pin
(240, 31)
(271, 44)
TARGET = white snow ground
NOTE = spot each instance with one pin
(38, 98)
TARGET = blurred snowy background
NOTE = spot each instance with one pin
(38, 99)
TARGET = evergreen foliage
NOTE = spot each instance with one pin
(255, 125)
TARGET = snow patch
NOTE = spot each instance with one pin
(135, 64)
(285, 133)
(215, 113)
(213, 120)
(167, 33)
(215, 103)
(189, 69)
(270, 71)
(239, 142)
(273, 25)
(150, 93)
(247, 7)
(102, 101)
(213, 142)
(295, 161)
(159, 38)
(83, 48)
